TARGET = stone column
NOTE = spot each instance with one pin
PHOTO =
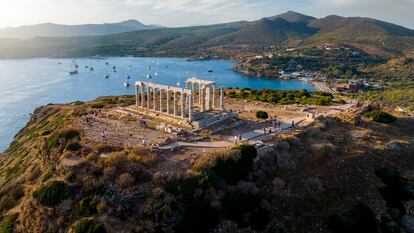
(214, 97)
(203, 99)
(154, 98)
(182, 105)
(168, 101)
(160, 100)
(190, 107)
(199, 95)
(142, 96)
(193, 89)
(175, 103)
(222, 108)
(136, 95)
(148, 96)
(208, 98)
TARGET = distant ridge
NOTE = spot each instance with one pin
(59, 30)
(290, 29)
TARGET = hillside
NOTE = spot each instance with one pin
(59, 30)
(286, 30)
(55, 178)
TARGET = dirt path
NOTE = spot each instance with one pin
(120, 132)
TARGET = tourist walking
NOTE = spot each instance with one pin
(144, 142)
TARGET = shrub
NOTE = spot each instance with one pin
(74, 146)
(52, 141)
(79, 112)
(394, 192)
(237, 204)
(125, 180)
(87, 206)
(89, 226)
(52, 193)
(69, 134)
(97, 105)
(78, 103)
(380, 117)
(7, 226)
(262, 115)
(233, 170)
(359, 219)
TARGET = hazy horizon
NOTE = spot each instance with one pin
(178, 13)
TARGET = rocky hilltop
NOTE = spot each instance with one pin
(339, 174)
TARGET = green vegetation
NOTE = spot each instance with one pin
(395, 193)
(192, 194)
(52, 193)
(89, 226)
(282, 97)
(7, 226)
(78, 103)
(187, 41)
(380, 116)
(359, 219)
(232, 171)
(74, 146)
(87, 206)
(262, 115)
(403, 97)
(97, 105)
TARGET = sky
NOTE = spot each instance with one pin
(176, 13)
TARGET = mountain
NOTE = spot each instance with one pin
(293, 17)
(58, 30)
(360, 29)
(227, 40)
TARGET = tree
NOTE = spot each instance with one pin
(262, 115)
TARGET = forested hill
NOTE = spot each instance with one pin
(289, 29)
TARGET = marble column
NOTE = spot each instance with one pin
(190, 107)
(199, 95)
(193, 89)
(203, 99)
(154, 99)
(208, 98)
(222, 108)
(168, 101)
(214, 97)
(182, 105)
(142, 96)
(136, 95)
(175, 103)
(160, 100)
(148, 96)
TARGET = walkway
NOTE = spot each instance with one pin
(324, 88)
(219, 144)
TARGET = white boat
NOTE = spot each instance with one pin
(126, 84)
(74, 69)
(73, 72)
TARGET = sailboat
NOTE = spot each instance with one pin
(126, 83)
(74, 69)
(129, 69)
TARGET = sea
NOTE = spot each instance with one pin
(29, 83)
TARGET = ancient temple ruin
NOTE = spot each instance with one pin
(180, 102)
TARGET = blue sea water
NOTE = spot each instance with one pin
(29, 83)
